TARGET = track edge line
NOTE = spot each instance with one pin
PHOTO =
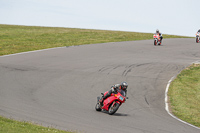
(31, 51)
(167, 105)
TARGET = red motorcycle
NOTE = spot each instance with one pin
(157, 40)
(197, 37)
(112, 103)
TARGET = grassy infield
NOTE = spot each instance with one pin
(184, 91)
(184, 95)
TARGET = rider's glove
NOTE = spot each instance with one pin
(114, 89)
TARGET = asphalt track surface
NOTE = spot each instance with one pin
(58, 87)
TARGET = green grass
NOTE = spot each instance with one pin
(15, 39)
(184, 95)
(12, 126)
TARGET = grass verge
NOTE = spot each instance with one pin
(12, 126)
(184, 95)
(15, 39)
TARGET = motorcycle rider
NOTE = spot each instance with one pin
(114, 89)
(197, 36)
(160, 34)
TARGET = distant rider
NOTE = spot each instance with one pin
(122, 88)
(197, 35)
(160, 34)
(198, 31)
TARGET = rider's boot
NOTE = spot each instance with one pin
(101, 101)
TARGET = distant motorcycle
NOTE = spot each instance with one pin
(112, 103)
(157, 39)
(197, 37)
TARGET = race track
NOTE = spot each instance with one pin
(58, 87)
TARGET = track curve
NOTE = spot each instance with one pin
(58, 87)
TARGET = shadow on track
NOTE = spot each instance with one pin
(115, 114)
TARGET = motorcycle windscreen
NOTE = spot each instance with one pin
(122, 92)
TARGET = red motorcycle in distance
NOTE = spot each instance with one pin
(197, 37)
(112, 103)
(157, 39)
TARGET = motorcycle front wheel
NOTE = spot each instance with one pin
(155, 42)
(113, 108)
(197, 39)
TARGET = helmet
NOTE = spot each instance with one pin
(124, 85)
(157, 31)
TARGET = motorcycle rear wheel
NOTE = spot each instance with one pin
(98, 106)
(113, 108)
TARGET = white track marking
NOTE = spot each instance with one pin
(31, 51)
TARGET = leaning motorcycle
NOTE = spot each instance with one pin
(112, 103)
(197, 37)
(157, 39)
